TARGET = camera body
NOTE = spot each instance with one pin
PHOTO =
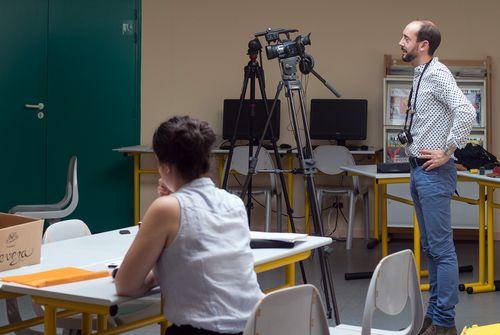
(404, 137)
(288, 48)
(284, 48)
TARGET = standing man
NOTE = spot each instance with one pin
(440, 119)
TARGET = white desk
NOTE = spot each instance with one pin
(381, 180)
(98, 296)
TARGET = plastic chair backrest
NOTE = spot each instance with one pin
(49, 212)
(239, 162)
(329, 159)
(292, 311)
(69, 183)
(74, 198)
(64, 230)
(394, 282)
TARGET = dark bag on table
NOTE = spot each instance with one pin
(474, 156)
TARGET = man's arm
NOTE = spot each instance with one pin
(462, 110)
(447, 91)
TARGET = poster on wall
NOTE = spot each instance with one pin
(474, 95)
(397, 104)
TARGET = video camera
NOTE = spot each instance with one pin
(284, 48)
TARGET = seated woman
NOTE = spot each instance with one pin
(194, 240)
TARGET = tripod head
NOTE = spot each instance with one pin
(254, 48)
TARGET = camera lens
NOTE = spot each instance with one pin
(273, 51)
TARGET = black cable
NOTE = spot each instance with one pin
(273, 211)
(263, 206)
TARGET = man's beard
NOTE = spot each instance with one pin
(408, 57)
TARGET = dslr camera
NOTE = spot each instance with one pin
(404, 137)
(284, 48)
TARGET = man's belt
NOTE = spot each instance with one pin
(415, 161)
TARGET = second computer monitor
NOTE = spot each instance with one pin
(258, 121)
(338, 119)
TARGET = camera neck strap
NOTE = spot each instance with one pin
(409, 109)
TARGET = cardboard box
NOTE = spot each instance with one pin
(20, 241)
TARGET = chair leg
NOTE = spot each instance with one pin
(14, 316)
(366, 212)
(267, 220)
(279, 212)
(352, 207)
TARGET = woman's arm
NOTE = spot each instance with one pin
(159, 225)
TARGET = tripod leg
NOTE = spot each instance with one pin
(309, 171)
(233, 137)
(289, 210)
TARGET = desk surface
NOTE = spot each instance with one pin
(96, 251)
(146, 149)
(479, 177)
(371, 171)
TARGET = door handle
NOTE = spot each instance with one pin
(39, 106)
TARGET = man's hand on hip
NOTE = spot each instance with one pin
(435, 158)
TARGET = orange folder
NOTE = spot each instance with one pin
(56, 277)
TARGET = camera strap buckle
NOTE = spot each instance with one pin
(411, 111)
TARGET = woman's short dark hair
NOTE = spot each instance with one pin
(429, 32)
(184, 142)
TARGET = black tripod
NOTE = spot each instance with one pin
(252, 71)
(307, 165)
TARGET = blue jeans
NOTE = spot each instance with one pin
(431, 192)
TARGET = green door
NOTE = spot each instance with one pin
(23, 59)
(92, 106)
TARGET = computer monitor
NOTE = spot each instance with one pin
(242, 133)
(338, 119)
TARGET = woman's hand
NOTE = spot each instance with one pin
(163, 189)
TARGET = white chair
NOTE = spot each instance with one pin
(291, 311)
(64, 230)
(298, 310)
(329, 159)
(61, 209)
(394, 282)
(239, 164)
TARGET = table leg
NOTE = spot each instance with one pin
(490, 241)
(49, 320)
(482, 242)
(489, 286)
(220, 169)
(86, 324)
(416, 244)
(137, 162)
(102, 322)
(376, 207)
(383, 199)
(290, 275)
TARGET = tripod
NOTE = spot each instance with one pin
(304, 153)
(253, 71)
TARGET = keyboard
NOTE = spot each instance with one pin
(393, 167)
